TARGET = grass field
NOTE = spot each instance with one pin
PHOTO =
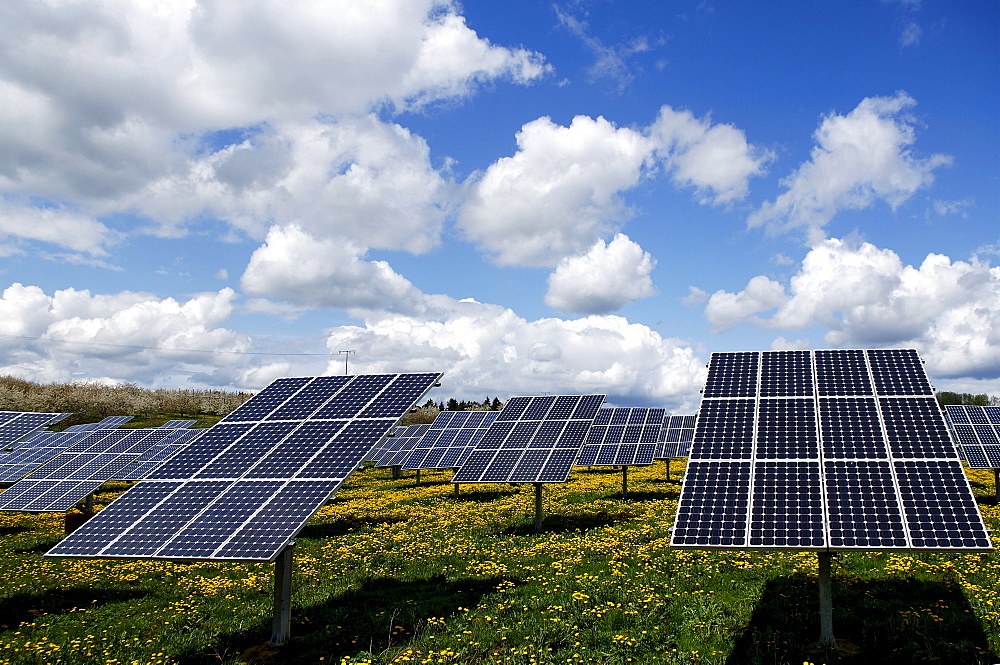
(390, 572)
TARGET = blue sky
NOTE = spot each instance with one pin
(528, 196)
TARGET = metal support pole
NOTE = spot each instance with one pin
(826, 638)
(456, 490)
(88, 504)
(282, 596)
(397, 473)
(668, 468)
(624, 482)
(417, 481)
(538, 506)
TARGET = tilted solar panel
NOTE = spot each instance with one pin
(79, 470)
(977, 433)
(824, 450)
(15, 426)
(402, 445)
(249, 484)
(676, 435)
(111, 422)
(158, 455)
(25, 459)
(532, 440)
(450, 440)
(622, 436)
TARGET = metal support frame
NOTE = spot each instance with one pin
(417, 480)
(456, 490)
(397, 472)
(826, 638)
(88, 504)
(668, 468)
(624, 481)
(538, 506)
(282, 596)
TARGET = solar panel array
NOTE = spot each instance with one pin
(149, 461)
(532, 440)
(977, 433)
(250, 483)
(79, 469)
(676, 436)
(827, 449)
(622, 436)
(111, 422)
(399, 447)
(450, 440)
(17, 425)
(32, 454)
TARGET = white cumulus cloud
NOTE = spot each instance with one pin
(859, 159)
(295, 266)
(603, 280)
(124, 337)
(867, 297)
(489, 350)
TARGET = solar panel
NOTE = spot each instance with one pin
(16, 425)
(79, 470)
(977, 434)
(177, 424)
(824, 450)
(532, 440)
(159, 454)
(676, 435)
(622, 436)
(249, 484)
(450, 440)
(111, 422)
(31, 455)
(401, 445)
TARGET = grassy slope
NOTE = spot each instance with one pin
(390, 572)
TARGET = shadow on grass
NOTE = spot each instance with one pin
(29, 606)
(566, 523)
(891, 621)
(644, 496)
(343, 526)
(482, 496)
(383, 614)
(13, 530)
(41, 546)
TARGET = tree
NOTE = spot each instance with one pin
(497, 404)
(453, 404)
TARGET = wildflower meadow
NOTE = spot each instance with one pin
(397, 572)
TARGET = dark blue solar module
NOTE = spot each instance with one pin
(676, 435)
(622, 436)
(450, 439)
(15, 426)
(246, 486)
(155, 457)
(977, 434)
(826, 450)
(402, 444)
(78, 471)
(111, 422)
(532, 440)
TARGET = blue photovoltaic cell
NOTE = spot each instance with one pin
(725, 430)
(147, 462)
(676, 435)
(532, 440)
(16, 425)
(786, 374)
(856, 455)
(452, 437)
(111, 422)
(732, 375)
(76, 473)
(977, 430)
(630, 443)
(402, 445)
(246, 486)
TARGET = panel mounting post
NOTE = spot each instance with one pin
(624, 482)
(538, 506)
(88, 505)
(826, 638)
(456, 490)
(282, 596)
(668, 469)
(417, 479)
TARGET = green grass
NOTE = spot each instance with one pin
(390, 572)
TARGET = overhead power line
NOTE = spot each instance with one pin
(158, 348)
